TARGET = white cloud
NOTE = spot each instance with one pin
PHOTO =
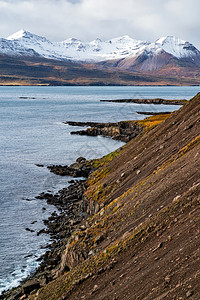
(88, 19)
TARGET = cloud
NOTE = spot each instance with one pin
(88, 19)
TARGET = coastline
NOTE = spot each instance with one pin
(71, 209)
(61, 227)
(72, 217)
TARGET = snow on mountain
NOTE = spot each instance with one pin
(99, 50)
(24, 43)
(15, 48)
(39, 44)
(177, 47)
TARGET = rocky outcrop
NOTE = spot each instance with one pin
(123, 131)
(149, 101)
(81, 168)
(153, 113)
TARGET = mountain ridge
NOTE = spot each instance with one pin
(98, 50)
(120, 61)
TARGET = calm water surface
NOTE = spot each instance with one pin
(32, 132)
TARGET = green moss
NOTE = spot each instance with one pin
(97, 163)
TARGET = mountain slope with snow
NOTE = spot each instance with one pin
(176, 47)
(122, 52)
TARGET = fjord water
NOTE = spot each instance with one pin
(32, 132)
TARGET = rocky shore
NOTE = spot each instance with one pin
(153, 113)
(70, 216)
(131, 230)
(72, 209)
(81, 168)
(149, 101)
(123, 131)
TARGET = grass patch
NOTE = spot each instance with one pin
(152, 121)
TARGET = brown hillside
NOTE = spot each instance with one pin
(142, 239)
(39, 71)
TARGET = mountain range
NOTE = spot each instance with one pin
(168, 57)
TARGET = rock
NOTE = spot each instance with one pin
(138, 172)
(82, 227)
(149, 101)
(91, 253)
(29, 255)
(99, 239)
(29, 286)
(176, 199)
(167, 279)
(124, 131)
(43, 281)
(33, 222)
(189, 294)
(44, 196)
(100, 271)
(113, 282)
(81, 168)
(42, 231)
(28, 229)
(72, 181)
(97, 208)
(95, 288)
(81, 160)
(158, 247)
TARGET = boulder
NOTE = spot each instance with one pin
(30, 286)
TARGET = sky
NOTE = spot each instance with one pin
(87, 20)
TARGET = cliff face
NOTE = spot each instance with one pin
(141, 240)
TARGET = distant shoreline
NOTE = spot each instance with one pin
(149, 101)
(49, 84)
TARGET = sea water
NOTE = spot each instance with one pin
(32, 132)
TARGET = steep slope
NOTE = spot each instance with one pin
(141, 240)
(146, 60)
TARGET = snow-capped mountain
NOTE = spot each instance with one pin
(39, 44)
(72, 48)
(99, 50)
(15, 48)
(123, 52)
(176, 47)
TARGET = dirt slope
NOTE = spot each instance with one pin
(142, 239)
